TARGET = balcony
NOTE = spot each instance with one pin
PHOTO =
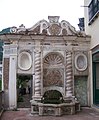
(93, 9)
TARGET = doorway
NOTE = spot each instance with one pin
(24, 91)
(96, 78)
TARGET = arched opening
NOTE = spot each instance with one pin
(52, 97)
(24, 90)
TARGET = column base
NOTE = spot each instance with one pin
(69, 98)
(37, 98)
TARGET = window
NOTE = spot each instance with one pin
(93, 9)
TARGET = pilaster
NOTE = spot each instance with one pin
(12, 77)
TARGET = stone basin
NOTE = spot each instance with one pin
(54, 109)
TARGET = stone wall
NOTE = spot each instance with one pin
(80, 91)
(6, 82)
(6, 73)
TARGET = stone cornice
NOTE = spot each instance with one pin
(19, 37)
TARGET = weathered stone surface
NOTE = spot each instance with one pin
(81, 90)
(52, 46)
(6, 73)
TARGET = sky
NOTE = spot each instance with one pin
(29, 12)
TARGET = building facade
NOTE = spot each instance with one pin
(54, 54)
(91, 9)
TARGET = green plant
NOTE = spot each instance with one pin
(20, 99)
(21, 81)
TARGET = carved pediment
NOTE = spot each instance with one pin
(52, 27)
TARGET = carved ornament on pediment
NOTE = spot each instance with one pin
(51, 27)
(54, 29)
(35, 30)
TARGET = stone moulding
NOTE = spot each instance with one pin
(24, 61)
(81, 62)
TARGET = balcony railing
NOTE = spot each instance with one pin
(93, 9)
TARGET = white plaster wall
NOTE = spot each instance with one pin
(92, 29)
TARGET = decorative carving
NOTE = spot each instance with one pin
(53, 19)
(24, 61)
(53, 77)
(44, 31)
(13, 30)
(81, 62)
(54, 29)
(53, 74)
(69, 74)
(64, 32)
(35, 30)
(37, 74)
(53, 59)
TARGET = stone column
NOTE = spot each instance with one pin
(69, 77)
(37, 78)
(12, 77)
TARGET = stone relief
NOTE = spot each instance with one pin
(53, 74)
(81, 62)
(53, 59)
(53, 27)
(24, 61)
(53, 77)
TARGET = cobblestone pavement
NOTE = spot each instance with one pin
(84, 114)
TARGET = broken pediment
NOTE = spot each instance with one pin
(51, 27)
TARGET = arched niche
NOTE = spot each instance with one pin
(52, 97)
(24, 60)
(53, 58)
(81, 62)
(53, 70)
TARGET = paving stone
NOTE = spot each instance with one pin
(84, 114)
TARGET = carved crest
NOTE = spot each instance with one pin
(53, 27)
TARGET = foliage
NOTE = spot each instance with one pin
(20, 99)
(21, 81)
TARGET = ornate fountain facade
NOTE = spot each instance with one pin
(54, 53)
